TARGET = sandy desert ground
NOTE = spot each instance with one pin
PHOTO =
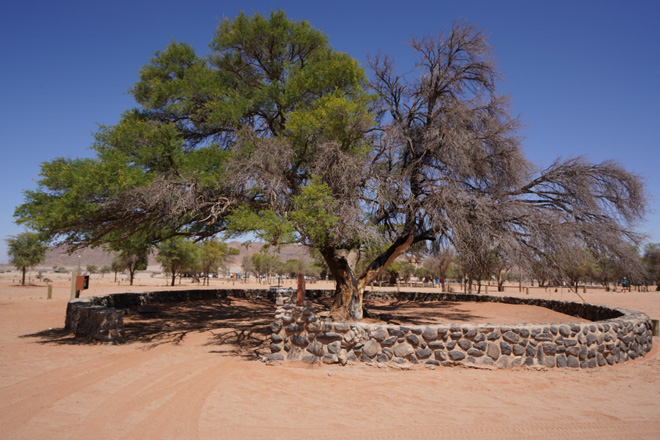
(193, 375)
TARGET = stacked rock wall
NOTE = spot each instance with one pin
(299, 334)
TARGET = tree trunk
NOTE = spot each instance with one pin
(173, 278)
(347, 302)
(23, 280)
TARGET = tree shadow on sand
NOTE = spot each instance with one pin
(237, 327)
(420, 312)
(241, 327)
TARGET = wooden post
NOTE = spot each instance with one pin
(527, 290)
(301, 290)
(656, 327)
(50, 291)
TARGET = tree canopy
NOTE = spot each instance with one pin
(277, 134)
(26, 250)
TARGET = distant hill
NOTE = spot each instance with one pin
(99, 257)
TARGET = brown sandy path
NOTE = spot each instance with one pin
(52, 386)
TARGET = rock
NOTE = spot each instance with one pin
(474, 352)
(274, 348)
(293, 328)
(334, 347)
(451, 345)
(455, 335)
(591, 339)
(403, 350)
(432, 362)
(330, 359)
(389, 341)
(379, 334)
(299, 341)
(316, 348)
(456, 355)
(430, 334)
(310, 359)
(549, 348)
(326, 338)
(341, 327)
(480, 346)
(275, 357)
(399, 360)
(413, 340)
(511, 337)
(388, 352)
(464, 344)
(423, 353)
(370, 348)
(381, 357)
(275, 326)
(493, 351)
(480, 337)
(601, 360)
(502, 362)
(275, 338)
(564, 330)
(342, 357)
(516, 362)
(395, 331)
(572, 362)
(294, 354)
(470, 332)
(494, 335)
(530, 351)
(436, 345)
(549, 361)
(440, 355)
(544, 337)
(506, 348)
(561, 360)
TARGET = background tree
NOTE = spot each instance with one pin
(277, 134)
(26, 250)
(652, 261)
(177, 256)
(91, 269)
(214, 254)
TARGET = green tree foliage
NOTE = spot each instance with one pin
(277, 134)
(178, 256)
(214, 254)
(26, 250)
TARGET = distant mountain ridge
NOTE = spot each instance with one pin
(99, 257)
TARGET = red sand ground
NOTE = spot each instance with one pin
(188, 373)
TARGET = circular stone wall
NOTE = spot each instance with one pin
(300, 334)
(614, 336)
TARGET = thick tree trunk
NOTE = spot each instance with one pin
(23, 280)
(347, 302)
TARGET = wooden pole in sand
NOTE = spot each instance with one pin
(301, 290)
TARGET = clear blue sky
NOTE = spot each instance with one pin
(584, 76)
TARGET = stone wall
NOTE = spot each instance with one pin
(299, 334)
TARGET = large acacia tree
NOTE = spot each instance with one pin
(277, 134)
